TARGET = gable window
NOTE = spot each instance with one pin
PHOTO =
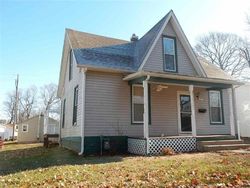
(24, 127)
(70, 64)
(137, 104)
(75, 104)
(215, 106)
(63, 112)
(169, 46)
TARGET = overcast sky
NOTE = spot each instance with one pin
(32, 32)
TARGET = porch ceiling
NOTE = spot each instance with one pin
(138, 77)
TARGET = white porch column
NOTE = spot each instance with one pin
(193, 120)
(145, 115)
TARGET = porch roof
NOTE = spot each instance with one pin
(139, 76)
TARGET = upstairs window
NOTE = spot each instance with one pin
(169, 46)
(215, 107)
(70, 64)
(75, 105)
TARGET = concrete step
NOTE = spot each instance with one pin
(225, 147)
(220, 142)
(215, 137)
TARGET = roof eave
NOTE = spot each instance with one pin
(103, 69)
(180, 77)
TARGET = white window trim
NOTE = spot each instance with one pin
(221, 115)
(76, 104)
(175, 66)
(179, 93)
(141, 102)
(27, 128)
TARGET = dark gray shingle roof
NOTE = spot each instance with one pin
(110, 53)
(105, 52)
(118, 57)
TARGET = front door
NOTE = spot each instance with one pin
(185, 113)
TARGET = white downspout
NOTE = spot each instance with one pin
(83, 79)
(38, 128)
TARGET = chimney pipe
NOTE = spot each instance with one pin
(134, 38)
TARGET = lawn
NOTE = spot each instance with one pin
(31, 165)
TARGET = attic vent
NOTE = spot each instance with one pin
(134, 38)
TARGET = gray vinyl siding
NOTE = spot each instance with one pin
(155, 60)
(202, 119)
(108, 106)
(108, 109)
(68, 93)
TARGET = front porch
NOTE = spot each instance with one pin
(176, 113)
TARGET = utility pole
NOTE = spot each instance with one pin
(16, 106)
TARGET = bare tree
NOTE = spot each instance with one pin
(222, 50)
(27, 102)
(48, 96)
(9, 106)
(245, 51)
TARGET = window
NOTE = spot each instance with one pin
(24, 127)
(215, 107)
(137, 104)
(70, 64)
(75, 104)
(63, 112)
(169, 54)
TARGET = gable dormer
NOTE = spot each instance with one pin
(170, 51)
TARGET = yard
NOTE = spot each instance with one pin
(31, 165)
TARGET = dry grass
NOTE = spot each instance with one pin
(58, 167)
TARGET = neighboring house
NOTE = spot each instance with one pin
(33, 129)
(6, 131)
(243, 109)
(144, 94)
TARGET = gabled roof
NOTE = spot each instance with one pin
(144, 44)
(139, 50)
(80, 39)
(36, 116)
(106, 53)
(183, 39)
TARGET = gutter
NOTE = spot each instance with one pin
(83, 94)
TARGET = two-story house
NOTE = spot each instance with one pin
(141, 95)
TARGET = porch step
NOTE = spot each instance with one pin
(215, 137)
(216, 145)
(225, 147)
(220, 142)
